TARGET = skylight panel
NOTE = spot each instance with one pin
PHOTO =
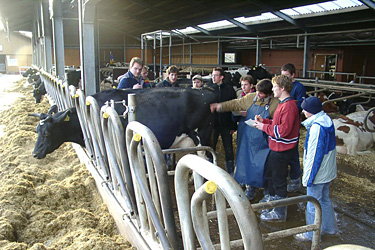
(329, 6)
(302, 10)
(187, 30)
(314, 8)
(348, 3)
(216, 25)
(290, 12)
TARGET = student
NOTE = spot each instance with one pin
(197, 82)
(283, 132)
(132, 78)
(319, 164)
(171, 80)
(247, 85)
(252, 144)
(224, 125)
(298, 93)
(145, 82)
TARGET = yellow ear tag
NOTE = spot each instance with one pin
(114, 87)
(105, 115)
(210, 187)
(88, 103)
(137, 137)
(67, 118)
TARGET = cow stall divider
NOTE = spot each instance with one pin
(137, 188)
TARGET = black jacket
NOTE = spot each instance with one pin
(224, 92)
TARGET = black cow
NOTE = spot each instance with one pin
(39, 90)
(168, 112)
(73, 77)
(29, 71)
(259, 72)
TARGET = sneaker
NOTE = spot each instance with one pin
(250, 192)
(302, 237)
(294, 185)
(278, 214)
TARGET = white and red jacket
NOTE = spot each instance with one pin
(283, 129)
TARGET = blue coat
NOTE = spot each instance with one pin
(319, 158)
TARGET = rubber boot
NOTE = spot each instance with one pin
(250, 192)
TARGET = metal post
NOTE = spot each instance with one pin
(47, 37)
(58, 39)
(258, 52)
(161, 54)
(306, 50)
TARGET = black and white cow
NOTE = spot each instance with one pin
(168, 112)
(39, 90)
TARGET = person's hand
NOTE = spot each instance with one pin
(258, 125)
(215, 107)
(137, 86)
(243, 113)
(258, 118)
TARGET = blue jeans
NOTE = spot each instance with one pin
(321, 193)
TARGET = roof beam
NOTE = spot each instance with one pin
(281, 15)
(289, 19)
(229, 19)
(202, 30)
(368, 3)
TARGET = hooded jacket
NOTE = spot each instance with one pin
(319, 158)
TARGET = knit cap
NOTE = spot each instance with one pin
(312, 105)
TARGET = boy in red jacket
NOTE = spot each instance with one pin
(283, 133)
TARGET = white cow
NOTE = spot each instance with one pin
(351, 135)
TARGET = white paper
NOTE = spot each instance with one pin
(250, 122)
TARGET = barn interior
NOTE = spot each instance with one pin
(332, 45)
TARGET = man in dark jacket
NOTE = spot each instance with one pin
(132, 78)
(224, 125)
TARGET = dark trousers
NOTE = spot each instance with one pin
(226, 137)
(277, 172)
(295, 166)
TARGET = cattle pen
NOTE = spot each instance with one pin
(136, 185)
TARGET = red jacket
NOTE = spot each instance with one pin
(283, 129)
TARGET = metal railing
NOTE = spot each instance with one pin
(133, 165)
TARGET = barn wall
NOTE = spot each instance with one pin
(274, 59)
(201, 54)
(15, 53)
(360, 60)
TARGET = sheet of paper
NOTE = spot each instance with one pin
(250, 122)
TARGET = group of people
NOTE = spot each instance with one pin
(267, 137)
(267, 145)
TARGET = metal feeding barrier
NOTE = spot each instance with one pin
(193, 219)
(130, 167)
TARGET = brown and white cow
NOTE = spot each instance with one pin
(351, 135)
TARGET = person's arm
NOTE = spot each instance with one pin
(300, 95)
(313, 156)
(242, 104)
(285, 126)
(124, 83)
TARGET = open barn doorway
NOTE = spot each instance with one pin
(2, 64)
(325, 63)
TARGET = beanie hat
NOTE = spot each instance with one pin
(312, 105)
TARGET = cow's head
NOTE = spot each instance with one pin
(52, 131)
(38, 93)
(328, 107)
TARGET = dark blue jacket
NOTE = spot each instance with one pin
(128, 81)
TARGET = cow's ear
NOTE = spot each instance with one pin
(62, 116)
